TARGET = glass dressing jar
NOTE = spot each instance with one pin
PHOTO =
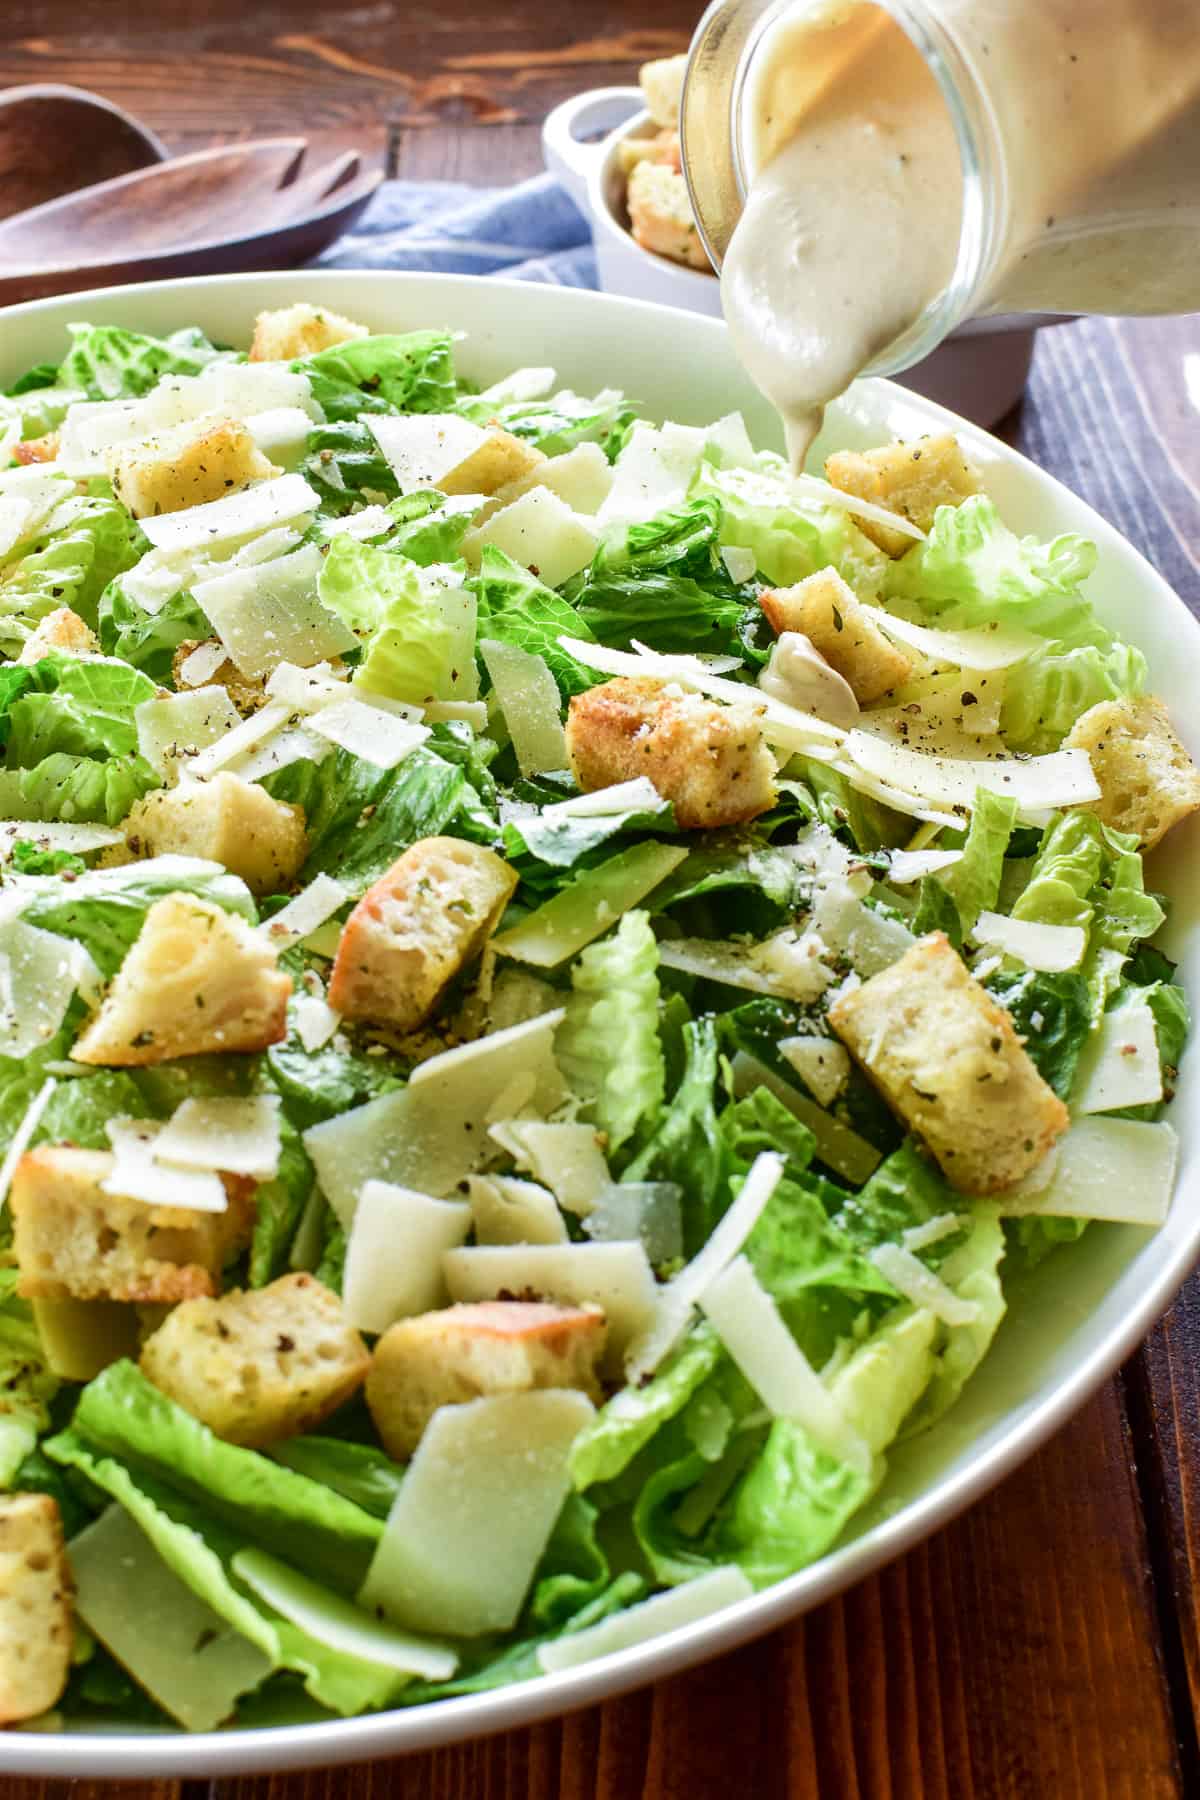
(1077, 128)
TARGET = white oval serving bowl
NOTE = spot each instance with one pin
(980, 371)
(1070, 1324)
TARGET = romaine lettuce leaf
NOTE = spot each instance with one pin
(1052, 1014)
(1066, 870)
(662, 581)
(105, 909)
(409, 372)
(791, 538)
(627, 1422)
(358, 1472)
(517, 608)
(687, 1146)
(279, 1205)
(110, 363)
(346, 467)
(556, 425)
(905, 1190)
(93, 540)
(973, 883)
(972, 1270)
(608, 1045)
(78, 789)
(148, 640)
(414, 647)
(81, 709)
(26, 1386)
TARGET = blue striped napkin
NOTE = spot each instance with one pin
(531, 232)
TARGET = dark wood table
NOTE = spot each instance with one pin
(1045, 1646)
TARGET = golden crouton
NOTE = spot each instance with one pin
(227, 820)
(660, 214)
(60, 630)
(301, 330)
(36, 450)
(36, 1638)
(465, 1352)
(911, 479)
(825, 610)
(710, 761)
(186, 465)
(196, 979)
(75, 1241)
(946, 1057)
(248, 692)
(499, 460)
(416, 928)
(258, 1366)
(1148, 781)
(661, 82)
(663, 147)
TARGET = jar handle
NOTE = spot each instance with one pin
(568, 156)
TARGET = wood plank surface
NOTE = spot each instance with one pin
(1045, 1646)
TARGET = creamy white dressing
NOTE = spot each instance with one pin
(852, 222)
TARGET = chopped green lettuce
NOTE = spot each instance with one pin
(517, 608)
(107, 362)
(608, 1045)
(407, 372)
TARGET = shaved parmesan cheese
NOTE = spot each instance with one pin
(201, 664)
(994, 647)
(680, 1297)
(566, 1157)
(315, 1021)
(541, 532)
(811, 487)
(1064, 778)
(23, 510)
(1049, 948)
(282, 501)
(394, 1254)
(507, 1211)
(472, 712)
(245, 737)
(55, 834)
(788, 964)
(649, 1619)
(615, 1276)
(432, 1134)
(270, 613)
(378, 737)
(528, 697)
(906, 866)
(1120, 1064)
(320, 900)
(747, 1322)
(237, 1135)
(647, 1212)
(520, 386)
(894, 797)
(22, 1137)
(281, 433)
(474, 1515)
(287, 744)
(822, 1064)
(909, 1276)
(1120, 1170)
(39, 973)
(842, 1149)
(782, 724)
(575, 915)
(639, 795)
(422, 449)
(653, 472)
(138, 1175)
(932, 1231)
(740, 565)
(307, 690)
(178, 726)
(869, 940)
(337, 1623)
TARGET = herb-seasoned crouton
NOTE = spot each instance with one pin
(36, 1639)
(60, 630)
(258, 1366)
(911, 479)
(464, 1352)
(663, 147)
(416, 928)
(662, 88)
(36, 450)
(301, 330)
(227, 820)
(247, 692)
(499, 460)
(660, 214)
(710, 761)
(1148, 782)
(947, 1059)
(196, 979)
(201, 460)
(825, 610)
(75, 1241)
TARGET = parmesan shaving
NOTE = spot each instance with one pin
(368, 732)
(909, 1276)
(994, 647)
(1063, 778)
(263, 505)
(649, 1619)
(201, 664)
(239, 1136)
(320, 900)
(138, 1175)
(23, 1136)
(1052, 949)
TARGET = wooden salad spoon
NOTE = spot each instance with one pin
(54, 139)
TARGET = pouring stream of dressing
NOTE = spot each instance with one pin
(851, 227)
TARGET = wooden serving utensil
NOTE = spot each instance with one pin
(54, 139)
(240, 206)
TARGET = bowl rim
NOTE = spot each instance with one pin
(131, 1755)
